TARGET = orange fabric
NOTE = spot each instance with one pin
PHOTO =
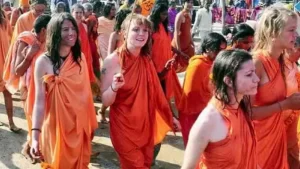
(161, 53)
(9, 75)
(24, 3)
(186, 42)
(271, 129)
(140, 111)
(25, 83)
(5, 30)
(70, 117)
(196, 87)
(237, 150)
(105, 28)
(196, 92)
(86, 50)
(291, 116)
(24, 23)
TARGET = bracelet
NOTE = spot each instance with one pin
(36, 129)
(280, 106)
(113, 89)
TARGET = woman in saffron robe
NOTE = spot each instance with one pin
(197, 91)
(5, 34)
(106, 25)
(275, 32)
(162, 57)
(223, 134)
(64, 117)
(131, 88)
(77, 13)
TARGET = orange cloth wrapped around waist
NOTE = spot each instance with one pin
(238, 149)
(271, 129)
(140, 109)
(70, 117)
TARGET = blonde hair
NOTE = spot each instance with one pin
(139, 20)
(270, 25)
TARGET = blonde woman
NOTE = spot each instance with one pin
(276, 32)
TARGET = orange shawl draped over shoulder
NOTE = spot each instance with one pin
(24, 23)
(140, 110)
(196, 87)
(271, 134)
(161, 53)
(70, 117)
(237, 150)
(25, 83)
(86, 50)
(5, 34)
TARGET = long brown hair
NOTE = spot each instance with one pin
(54, 39)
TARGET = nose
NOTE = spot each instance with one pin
(71, 32)
(256, 78)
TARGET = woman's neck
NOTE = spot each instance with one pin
(64, 51)
(134, 50)
(78, 22)
(275, 51)
(110, 17)
(235, 99)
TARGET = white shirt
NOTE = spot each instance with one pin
(203, 21)
(52, 5)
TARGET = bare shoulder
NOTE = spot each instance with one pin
(208, 116)
(111, 62)
(210, 113)
(258, 66)
(43, 64)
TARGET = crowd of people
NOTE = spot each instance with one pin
(237, 108)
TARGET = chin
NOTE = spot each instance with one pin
(251, 92)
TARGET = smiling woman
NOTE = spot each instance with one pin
(62, 130)
(138, 106)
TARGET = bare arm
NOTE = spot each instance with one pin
(23, 62)
(111, 78)
(198, 140)
(178, 22)
(261, 112)
(112, 43)
(14, 17)
(40, 95)
(39, 104)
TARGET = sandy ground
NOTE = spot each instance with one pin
(170, 156)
